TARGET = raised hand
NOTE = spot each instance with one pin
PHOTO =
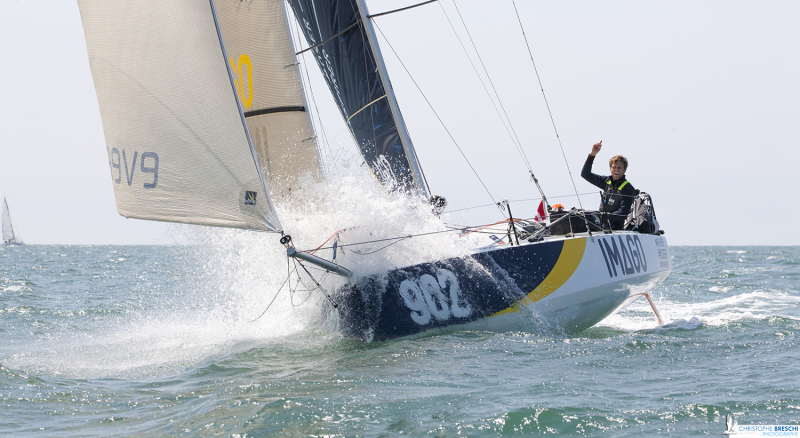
(596, 148)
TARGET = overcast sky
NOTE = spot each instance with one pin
(702, 97)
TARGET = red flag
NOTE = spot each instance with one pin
(540, 214)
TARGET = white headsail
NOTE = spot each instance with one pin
(262, 60)
(178, 147)
(10, 231)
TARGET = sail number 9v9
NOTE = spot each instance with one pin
(148, 164)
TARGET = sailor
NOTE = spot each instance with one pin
(618, 192)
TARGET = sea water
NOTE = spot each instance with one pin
(167, 341)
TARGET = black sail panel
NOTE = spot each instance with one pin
(342, 50)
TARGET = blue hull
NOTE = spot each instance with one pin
(374, 308)
(502, 281)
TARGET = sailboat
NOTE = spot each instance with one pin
(207, 122)
(10, 231)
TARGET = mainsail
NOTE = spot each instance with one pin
(178, 146)
(340, 41)
(10, 231)
(265, 72)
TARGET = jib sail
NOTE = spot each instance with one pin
(265, 73)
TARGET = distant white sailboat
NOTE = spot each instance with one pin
(206, 122)
(10, 232)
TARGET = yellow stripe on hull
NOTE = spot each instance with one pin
(568, 261)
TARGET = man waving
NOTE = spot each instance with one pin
(619, 193)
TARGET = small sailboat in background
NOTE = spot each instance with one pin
(10, 232)
(207, 121)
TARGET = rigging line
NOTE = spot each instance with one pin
(389, 238)
(486, 226)
(314, 100)
(435, 113)
(501, 231)
(291, 299)
(335, 306)
(321, 270)
(518, 143)
(321, 125)
(329, 238)
(307, 289)
(383, 247)
(338, 34)
(297, 291)
(401, 9)
(519, 20)
(502, 120)
(276, 294)
(471, 208)
(452, 230)
(520, 200)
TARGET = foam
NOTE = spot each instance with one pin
(234, 276)
(761, 304)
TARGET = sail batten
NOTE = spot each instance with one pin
(281, 109)
(365, 107)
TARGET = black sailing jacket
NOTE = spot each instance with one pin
(621, 193)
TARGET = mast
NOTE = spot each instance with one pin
(405, 139)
